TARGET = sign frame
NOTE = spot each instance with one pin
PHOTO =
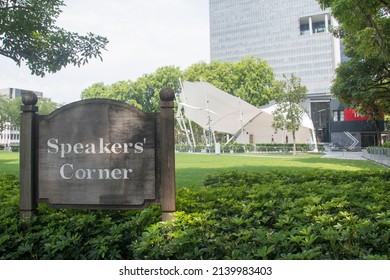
(129, 137)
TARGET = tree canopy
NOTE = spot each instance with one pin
(142, 93)
(364, 84)
(10, 109)
(28, 34)
(364, 25)
(363, 81)
(251, 78)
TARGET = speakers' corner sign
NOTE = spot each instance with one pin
(97, 154)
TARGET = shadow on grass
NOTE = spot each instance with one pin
(345, 163)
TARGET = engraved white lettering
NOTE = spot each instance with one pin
(116, 148)
(62, 171)
(104, 147)
(78, 148)
(90, 148)
(52, 144)
(66, 148)
(54, 147)
(68, 171)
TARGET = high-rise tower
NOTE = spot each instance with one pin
(293, 37)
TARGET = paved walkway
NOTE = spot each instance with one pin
(380, 159)
(380, 156)
(344, 155)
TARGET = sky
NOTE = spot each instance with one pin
(143, 36)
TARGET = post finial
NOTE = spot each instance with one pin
(29, 98)
(167, 94)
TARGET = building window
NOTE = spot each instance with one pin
(314, 24)
(304, 26)
(338, 116)
(341, 116)
(319, 27)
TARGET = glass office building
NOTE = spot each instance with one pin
(293, 37)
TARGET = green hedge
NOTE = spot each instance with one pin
(278, 215)
(244, 148)
(236, 215)
(68, 234)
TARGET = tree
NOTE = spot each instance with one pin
(142, 93)
(96, 90)
(364, 25)
(10, 110)
(219, 74)
(251, 79)
(288, 113)
(145, 90)
(364, 84)
(28, 34)
(46, 106)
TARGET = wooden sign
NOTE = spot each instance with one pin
(98, 154)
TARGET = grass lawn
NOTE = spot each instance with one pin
(9, 163)
(191, 169)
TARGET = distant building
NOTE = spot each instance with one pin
(294, 38)
(9, 135)
(17, 92)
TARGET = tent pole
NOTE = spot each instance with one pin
(231, 138)
(182, 124)
(192, 133)
(182, 118)
(209, 119)
(191, 141)
(241, 120)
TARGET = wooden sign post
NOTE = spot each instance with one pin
(168, 189)
(98, 154)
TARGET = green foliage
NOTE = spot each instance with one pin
(142, 93)
(243, 148)
(10, 109)
(363, 81)
(68, 234)
(364, 25)
(277, 215)
(236, 215)
(364, 85)
(28, 33)
(289, 112)
(251, 79)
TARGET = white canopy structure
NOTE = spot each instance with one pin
(217, 111)
(259, 130)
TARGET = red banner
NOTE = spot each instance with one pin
(352, 115)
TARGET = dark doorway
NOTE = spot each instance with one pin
(320, 115)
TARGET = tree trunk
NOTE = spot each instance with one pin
(378, 134)
(294, 146)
